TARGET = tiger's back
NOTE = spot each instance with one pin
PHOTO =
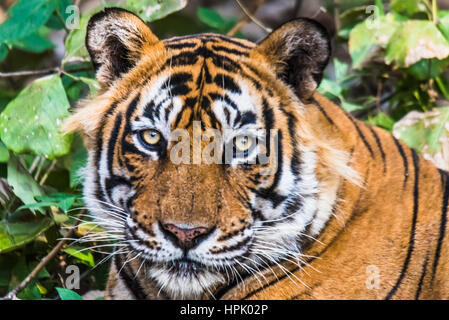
(388, 238)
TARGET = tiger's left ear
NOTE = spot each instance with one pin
(300, 50)
(116, 40)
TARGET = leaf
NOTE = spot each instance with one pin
(443, 23)
(330, 89)
(63, 200)
(213, 19)
(32, 121)
(94, 87)
(14, 235)
(428, 68)
(36, 42)
(350, 107)
(75, 42)
(3, 51)
(151, 10)
(365, 41)
(26, 17)
(381, 120)
(20, 271)
(415, 40)
(6, 265)
(4, 153)
(341, 69)
(428, 133)
(78, 161)
(408, 6)
(66, 294)
(23, 185)
(61, 9)
(83, 255)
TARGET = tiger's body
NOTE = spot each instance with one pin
(349, 212)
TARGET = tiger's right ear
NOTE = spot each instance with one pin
(116, 40)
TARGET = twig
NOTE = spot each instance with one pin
(47, 173)
(12, 295)
(238, 26)
(28, 73)
(40, 72)
(254, 19)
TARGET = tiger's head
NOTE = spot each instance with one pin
(197, 219)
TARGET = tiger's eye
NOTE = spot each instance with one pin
(152, 137)
(243, 143)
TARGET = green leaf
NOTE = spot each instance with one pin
(341, 69)
(330, 89)
(66, 294)
(426, 132)
(80, 253)
(415, 40)
(63, 200)
(350, 107)
(408, 6)
(4, 153)
(365, 42)
(211, 17)
(151, 10)
(381, 120)
(214, 20)
(443, 23)
(78, 161)
(20, 271)
(14, 235)
(23, 185)
(3, 51)
(26, 17)
(6, 265)
(61, 7)
(36, 42)
(428, 68)
(32, 121)
(75, 42)
(94, 87)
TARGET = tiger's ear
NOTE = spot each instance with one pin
(115, 40)
(300, 50)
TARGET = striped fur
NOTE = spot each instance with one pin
(343, 197)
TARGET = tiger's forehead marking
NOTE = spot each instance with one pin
(207, 78)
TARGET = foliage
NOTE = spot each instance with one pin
(397, 64)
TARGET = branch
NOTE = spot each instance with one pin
(12, 295)
(28, 73)
(249, 16)
(40, 72)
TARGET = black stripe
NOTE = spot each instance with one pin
(132, 283)
(231, 51)
(233, 41)
(404, 159)
(412, 233)
(443, 222)
(316, 104)
(226, 83)
(362, 136)
(421, 279)
(379, 145)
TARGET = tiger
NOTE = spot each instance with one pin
(342, 209)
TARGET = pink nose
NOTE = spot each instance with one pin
(186, 238)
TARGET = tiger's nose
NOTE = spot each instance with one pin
(186, 238)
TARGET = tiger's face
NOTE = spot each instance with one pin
(175, 141)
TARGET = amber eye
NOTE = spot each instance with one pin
(151, 137)
(243, 143)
